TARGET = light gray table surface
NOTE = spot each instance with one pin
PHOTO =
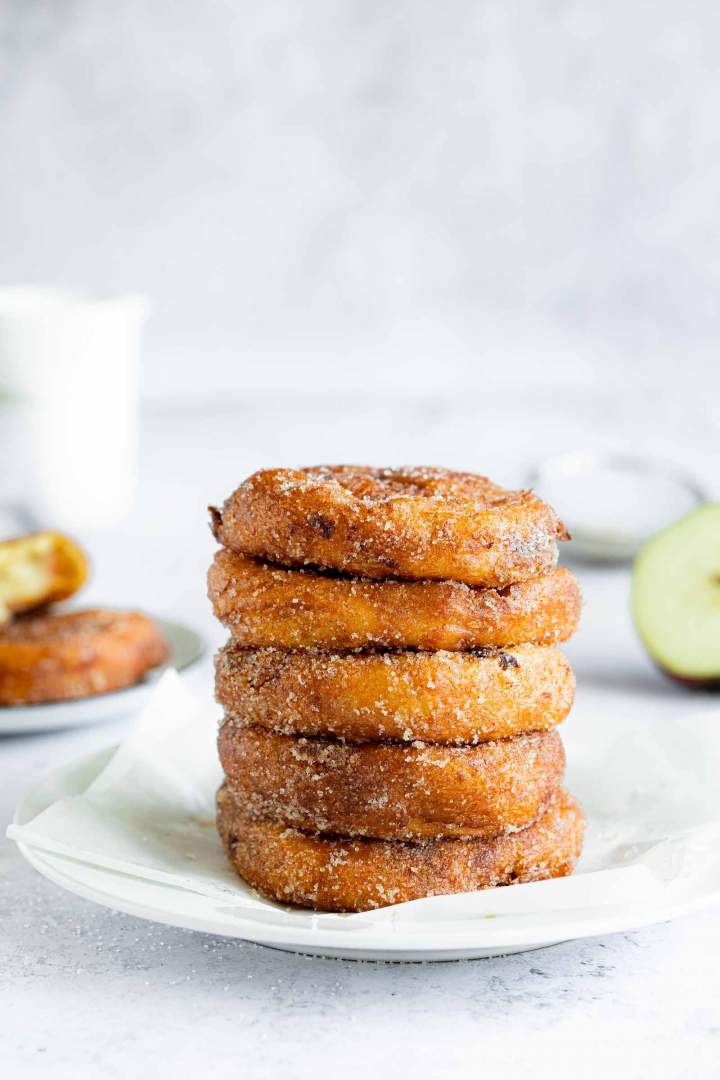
(89, 993)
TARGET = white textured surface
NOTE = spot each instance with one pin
(86, 993)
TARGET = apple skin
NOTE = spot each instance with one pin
(676, 599)
(709, 685)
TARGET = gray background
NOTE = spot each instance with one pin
(337, 194)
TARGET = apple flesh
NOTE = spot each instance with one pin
(676, 598)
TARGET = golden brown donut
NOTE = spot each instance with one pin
(392, 791)
(441, 697)
(262, 605)
(335, 874)
(75, 654)
(412, 523)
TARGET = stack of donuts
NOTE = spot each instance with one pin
(392, 685)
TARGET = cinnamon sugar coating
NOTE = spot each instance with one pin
(391, 685)
(392, 791)
(440, 697)
(266, 605)
(75, 654)
(416, 523)
(336, 874)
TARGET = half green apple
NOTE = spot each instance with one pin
(676, 597)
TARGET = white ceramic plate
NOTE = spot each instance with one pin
(459, 939)
(185, 648)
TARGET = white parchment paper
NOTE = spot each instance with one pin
(651, 795)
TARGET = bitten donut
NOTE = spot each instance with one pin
(75, 654)
(392, 791)
(39, 569)
(335, 874)
(440, 697)
(263, 605)
(412, 523)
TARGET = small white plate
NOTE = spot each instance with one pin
(453, 939)
(185, 648)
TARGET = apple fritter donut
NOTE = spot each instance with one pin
(335, 874)
(392, 791)
(440, 697)
(75, 654)
(263, 605)
(412, 523)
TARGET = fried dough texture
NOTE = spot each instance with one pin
(417, 523)
(266, 605)
(392, 791)
(39, 569)
(76, 654)
(336, 874)
(440, 697)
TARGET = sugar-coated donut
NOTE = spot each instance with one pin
(392, 791)
(412, 523)
(440, 697)
(266, 605)
(75, 654)
(336, 874)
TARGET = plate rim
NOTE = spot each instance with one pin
(300, 939)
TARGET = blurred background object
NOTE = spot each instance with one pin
(37, 570)
(69, 371)
(614, 503)
(406, 197)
